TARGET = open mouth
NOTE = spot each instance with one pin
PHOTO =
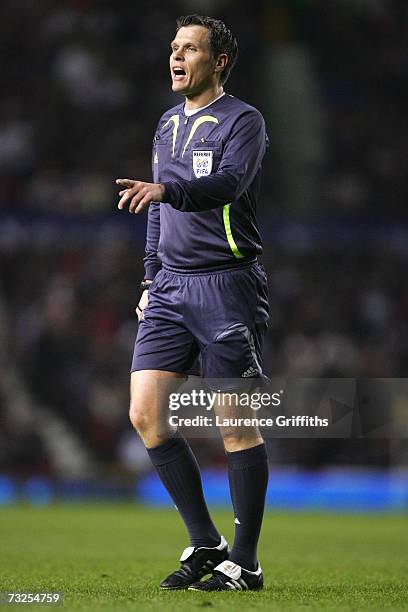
(178, 73)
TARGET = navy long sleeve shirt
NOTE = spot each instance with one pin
(210, 166)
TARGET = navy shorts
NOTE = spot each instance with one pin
(205, 324)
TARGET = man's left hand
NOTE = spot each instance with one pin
(139, 194)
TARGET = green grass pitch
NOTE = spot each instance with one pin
(112, 557)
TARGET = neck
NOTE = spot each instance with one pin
(204, 98)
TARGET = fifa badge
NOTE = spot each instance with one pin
(202, 163)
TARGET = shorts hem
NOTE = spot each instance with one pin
(224, 385)
(173, 370)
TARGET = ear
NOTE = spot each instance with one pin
(221, 62)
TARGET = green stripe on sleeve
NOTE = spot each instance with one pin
(227, 227)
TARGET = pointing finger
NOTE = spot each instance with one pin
(125, 182)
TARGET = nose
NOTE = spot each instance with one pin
(177, 56)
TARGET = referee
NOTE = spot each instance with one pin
(204, 306)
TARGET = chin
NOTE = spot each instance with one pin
(176, 87)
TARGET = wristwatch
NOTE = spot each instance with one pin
(145, 284)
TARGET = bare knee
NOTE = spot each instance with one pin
(139, 419)
(240, 438)
(149, 407)
(153, 431)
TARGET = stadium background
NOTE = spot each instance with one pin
(83, 85)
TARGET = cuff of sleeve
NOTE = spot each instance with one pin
(151, 269)
(169, 196)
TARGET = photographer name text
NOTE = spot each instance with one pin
(279, 421)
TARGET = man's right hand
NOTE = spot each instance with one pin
(139, 194)
(144, 299)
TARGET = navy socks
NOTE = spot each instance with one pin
(179, 472)
(248, 480)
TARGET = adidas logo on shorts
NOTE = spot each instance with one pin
(249, 372)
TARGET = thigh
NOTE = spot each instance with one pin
(235, 356)
(216, 300)
(165, 345)
(163, 341)
(236, 303)
(150, 389)
(149, 403)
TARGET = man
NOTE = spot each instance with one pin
(204, 296)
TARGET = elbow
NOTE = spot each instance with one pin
(232, 187)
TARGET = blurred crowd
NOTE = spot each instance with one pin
(71, 328)
(84, 84)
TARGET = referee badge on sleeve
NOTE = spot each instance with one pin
(202, 163)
